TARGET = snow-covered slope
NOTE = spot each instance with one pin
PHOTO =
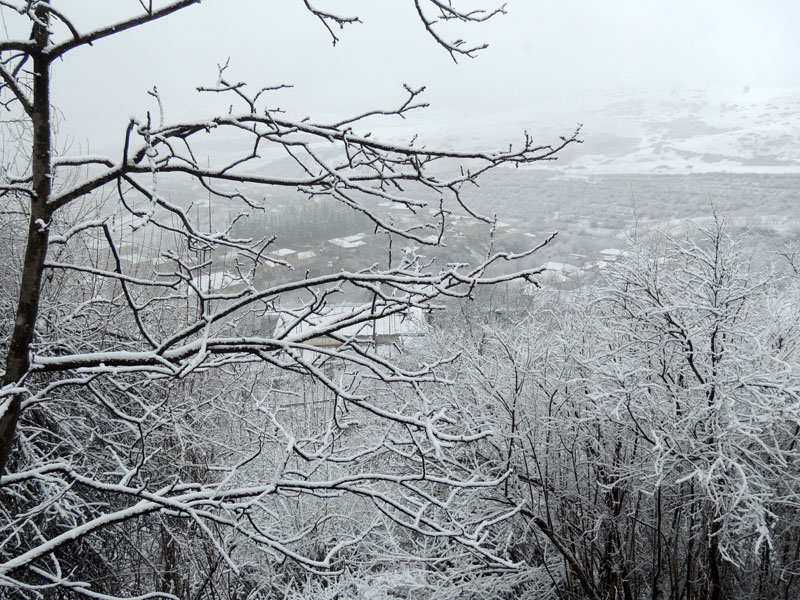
(699, 130)
(678, 131)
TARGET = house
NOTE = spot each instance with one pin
(611, 254)
(349, 242)
(335, 325)
(307, 256)
(559, 270)
(283, 252)
(556, 275)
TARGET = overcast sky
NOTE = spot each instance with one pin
(542, 50)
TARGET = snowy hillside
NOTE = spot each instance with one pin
(695, 131)
(676, 131)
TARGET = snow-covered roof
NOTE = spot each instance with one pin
(355, 237)
(214, 281)
(344, 243)
(559, 267)
(612, 252)
(408, 323)
(392, 205)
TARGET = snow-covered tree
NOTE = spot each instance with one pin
(156, 432)
(651, 420)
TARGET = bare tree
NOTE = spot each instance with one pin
(651, 423)
(144, 398)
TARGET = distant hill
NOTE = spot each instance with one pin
(694, 131)
(673, 131)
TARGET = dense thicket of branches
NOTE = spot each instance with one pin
(176, 424)
(651, 419)
(174, 429)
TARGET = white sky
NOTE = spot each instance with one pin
(543, 50)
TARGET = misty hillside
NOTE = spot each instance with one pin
(681, 130)
(646, 163)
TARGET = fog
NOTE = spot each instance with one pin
(539, 51)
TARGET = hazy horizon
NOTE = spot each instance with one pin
(539, 52)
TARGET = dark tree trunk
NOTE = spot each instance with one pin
(714, 560)
(18, 356)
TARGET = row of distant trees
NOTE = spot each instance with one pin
(303, 224)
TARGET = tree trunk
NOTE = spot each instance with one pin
(714, 559)
(18, 356)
